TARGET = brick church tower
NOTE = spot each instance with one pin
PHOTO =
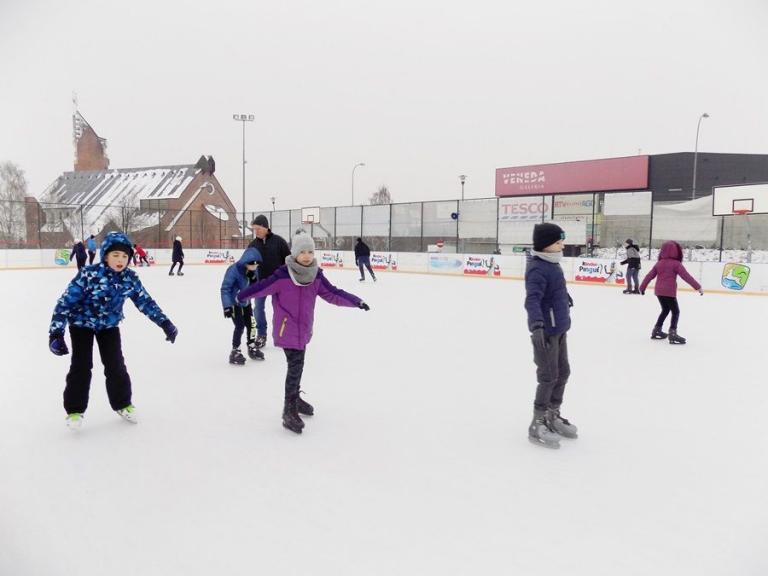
(90, 149)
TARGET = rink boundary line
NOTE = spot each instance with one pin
(472, 276)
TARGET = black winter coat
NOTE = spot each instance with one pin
(178, 252)
(633, 257)
(273, 251)
(361, 249)
(78, 251)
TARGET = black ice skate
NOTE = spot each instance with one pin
(657, 334)
(254, 353)
(304, 407)
(236, 357)
(540, 433)
(291, 419)
(261, 341)
(561, 425)
(674, 338)
(180, 274)
(627, 291)
(170, 273)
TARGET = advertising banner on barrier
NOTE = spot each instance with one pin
(451, 263)
(384, 261)
(219, 257)
(481, 266)
(61, 257)
(598, 271)
(331, 259)
(735, 276)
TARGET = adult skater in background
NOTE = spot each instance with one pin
(295, 287)
(177, 256)
(274, 250)
(92, 305)
(237, 278)
(92, 247)
(547, 302)
(78, 253)
(633, 267)
(363, 258)
(666, 271)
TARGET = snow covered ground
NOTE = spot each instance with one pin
(417, 461)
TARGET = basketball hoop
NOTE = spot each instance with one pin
(741, 212)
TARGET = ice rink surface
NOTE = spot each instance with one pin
(417, 461)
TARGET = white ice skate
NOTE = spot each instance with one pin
(128, 414)
(74, 421)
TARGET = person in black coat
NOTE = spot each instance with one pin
(363, 258)
(79, 253)
(177, 256)
(274, 250)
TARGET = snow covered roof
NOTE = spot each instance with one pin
(124, 186)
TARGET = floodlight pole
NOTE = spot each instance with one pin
(696, 155)
(353, 180)
(243, 118)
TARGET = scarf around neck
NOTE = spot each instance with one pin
(553, 257)
(301, 275)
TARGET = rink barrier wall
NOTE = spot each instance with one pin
(724, 277)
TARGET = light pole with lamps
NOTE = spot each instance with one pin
(463, 179)
(272, 199)
(696, 155)
(243, 118)
(353, 180)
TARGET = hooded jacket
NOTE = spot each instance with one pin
(546, 297)
(666, 271)
(94, 298)
(293, 305)
(236, 278)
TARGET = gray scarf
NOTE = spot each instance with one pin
(553, 257)
(301, 275)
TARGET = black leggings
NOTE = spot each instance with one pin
(668, 304)
(179, 262)
(295, 359)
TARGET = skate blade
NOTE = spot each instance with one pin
(658, 337)
(299, 431)
(550, 445)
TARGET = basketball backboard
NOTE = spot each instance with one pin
(310, 215)
(740, 199)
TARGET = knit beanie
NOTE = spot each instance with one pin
(261, 220)
(116, 241)
(546, 234)
(301, 242)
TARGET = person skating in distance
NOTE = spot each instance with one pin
(294, 288)
(633, 267)
(548, 305)
(666, 271)
(92, 305)
(177, 256)
(363, 258)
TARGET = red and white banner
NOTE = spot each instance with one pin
(481, 266)
(215, 257)
(598, 271)
(331, 260)
(383, 261)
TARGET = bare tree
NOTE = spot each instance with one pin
(13, 189)
(381, 197)
(126, 216)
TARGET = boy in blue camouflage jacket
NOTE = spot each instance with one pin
(92, 305)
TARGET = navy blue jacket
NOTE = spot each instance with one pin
(78, 251)
(362, 250)
(236, 279)
(178, 253)
(546, 297)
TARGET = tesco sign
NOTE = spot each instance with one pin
(523, 209)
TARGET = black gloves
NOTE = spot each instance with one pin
(539, 340)
(363, 306)
(170, 331)
(228, 311)
(570, 301)
(56, 344)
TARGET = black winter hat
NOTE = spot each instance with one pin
(546, 234)
(629, 241)
(261, 220)
(125, 248)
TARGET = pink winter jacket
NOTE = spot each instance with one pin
(666, 271)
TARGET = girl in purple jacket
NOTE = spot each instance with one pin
(294, 289)
(666, 271)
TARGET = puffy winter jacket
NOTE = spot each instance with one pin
(666, 271)
(78, 252)
(633, 257)
(546, 297)
(178, 252)
(361, 249)
(236, 278)
(274, 250)
(293, 305)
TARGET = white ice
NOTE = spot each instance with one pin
(417, 461)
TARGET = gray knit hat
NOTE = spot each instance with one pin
(301, 242)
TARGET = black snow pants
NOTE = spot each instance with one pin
(552, 371)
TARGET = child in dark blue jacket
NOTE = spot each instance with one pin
(547, 302)
(237, 277)
(92, 305)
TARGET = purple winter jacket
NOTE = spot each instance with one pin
(667, 269)
(294, 306)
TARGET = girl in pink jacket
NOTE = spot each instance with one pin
(666, 271)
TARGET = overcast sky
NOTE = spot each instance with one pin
(419, 91)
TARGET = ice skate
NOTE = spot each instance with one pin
(261, 341)
(128, 414)
(75, 421)
(539, 432)
(304, 408)
(362, 280)
(236, 357)
(674, 338)
(374, 278)
(180, 274)
(170, 273)
(561, 425)
(627, 291)
(254, 353)
(291, 419)
(657, 334)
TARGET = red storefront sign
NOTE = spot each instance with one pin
(630, 173)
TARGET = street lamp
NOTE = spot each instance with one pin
(353, 180)
(272, 199)
(696, 155)
(463, 179)
(243, 118)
